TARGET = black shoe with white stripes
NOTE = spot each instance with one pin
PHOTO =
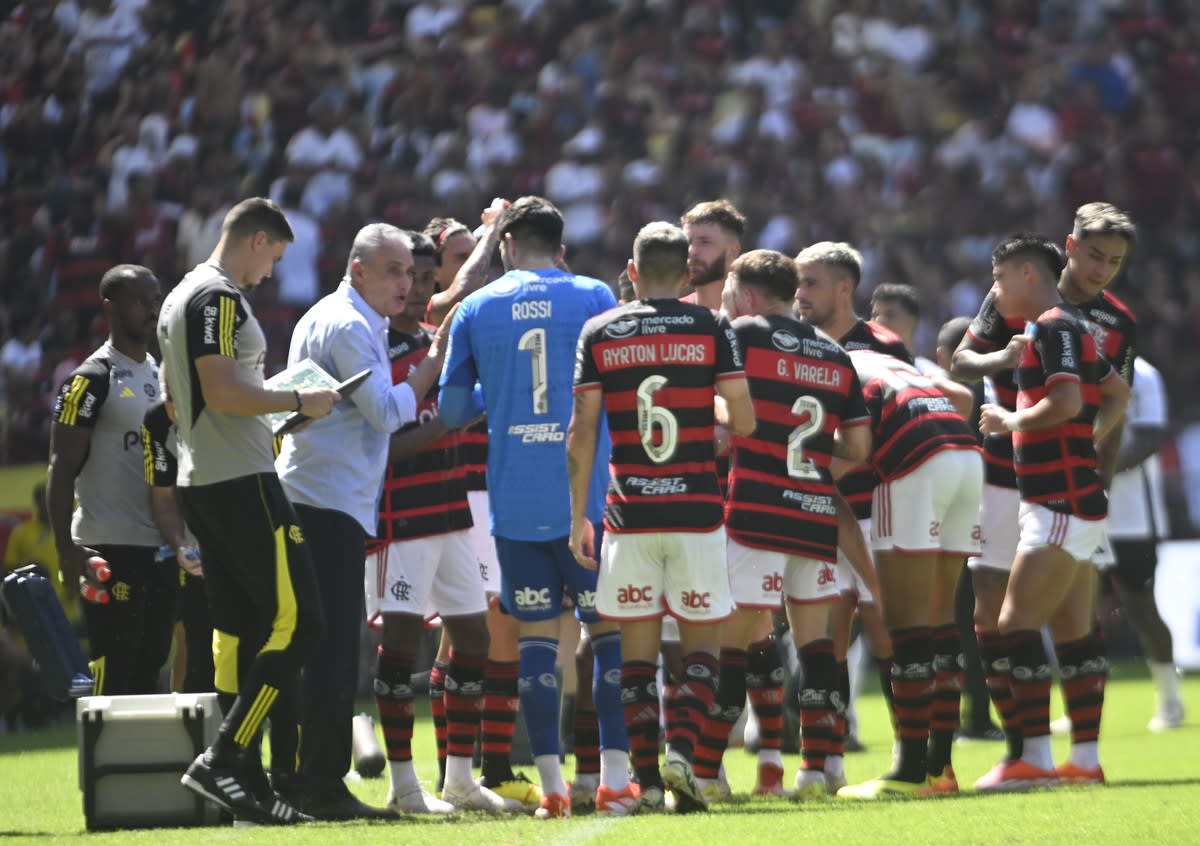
(226, 787)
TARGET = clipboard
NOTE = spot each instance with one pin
(345, 388)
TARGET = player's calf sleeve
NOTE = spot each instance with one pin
(818, 714)
(730, 701)
(885, 687)
(538, 688)
(501, 703)
(764, 685)
(437, 707)
(994, 649)
(1030, 678)
(587, 742)
(394, 700)
(464, 702)
(639, 696)
(841, 703)
(1084, 670)
(694, 698)
(912, 687)
(606, 691)
(945, 713)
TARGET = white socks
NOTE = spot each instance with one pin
(614, 769)
(1085, 755)
(771, 756)
(1038, 753)
(550, 774)
(458, 770)
(404, 777)
(1166, 680)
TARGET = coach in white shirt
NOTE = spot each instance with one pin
(1137, 521)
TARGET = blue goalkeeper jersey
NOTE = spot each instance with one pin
(517, 338)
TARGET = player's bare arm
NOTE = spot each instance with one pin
(473, 274)
(957, 393)
(971, 361)
(425, 375)
(736, 406)
(581, 456)
(852, 543)
(1063, 400)
(408, 442)
(68, 450)
(1114, 399)
(852, 444)
(227, 393)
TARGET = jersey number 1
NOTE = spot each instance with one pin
(798, 466)
(535, 342)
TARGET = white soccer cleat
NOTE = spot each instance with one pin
(811, 786)
(473, 796)
(1169, 716)
(417, 801)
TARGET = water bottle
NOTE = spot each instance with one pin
(369, 760)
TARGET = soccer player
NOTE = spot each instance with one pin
(829, 274)
(420, 564)
(781, 510)
(924, 523)
(714, 230)
(1137, 521)
(651, 367)
(258, 571)
(96, 461)
(1069, 399)
(511, 354)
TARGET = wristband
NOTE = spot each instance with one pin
(296, 394)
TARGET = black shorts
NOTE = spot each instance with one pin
(258, 571)
(1137, 559)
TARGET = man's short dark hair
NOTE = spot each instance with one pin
(440, 230)
(660, 252)
(721, 212)
(116, 278)
(625, 291)
(1103, 219)
(422, 244)
(534, 223)
(768, 271)
(258, 214)
(1032, 247)
(952, 332)
(905, 296)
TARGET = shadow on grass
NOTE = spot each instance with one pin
(58, 736)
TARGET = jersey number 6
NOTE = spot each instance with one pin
(650, 415)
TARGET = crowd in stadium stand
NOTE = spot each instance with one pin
(922, 131)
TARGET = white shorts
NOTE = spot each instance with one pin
(999, 529)
(1042, 527)
(435, 575)
(760, 578)
(644, 574)
(935, 508)
(848, 578)
(483, 542)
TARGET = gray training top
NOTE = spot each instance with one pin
(206, 314)
(109, 394)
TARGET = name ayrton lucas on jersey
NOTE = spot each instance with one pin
(653, 352)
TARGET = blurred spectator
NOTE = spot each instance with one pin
(299, 283)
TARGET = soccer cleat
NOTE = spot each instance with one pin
(679, 778)
(834, 782)
(1169, 716)
(943, 782)
(1074, 774)
(582, 793)
(811, 786)
(710, 789)
(417, 801)
(473, 796)
(553, 806)
(1015, 775)
(650, 801)
(616, 803)
(226, 788)
(770, 780)
(521, 791)
(883, 788)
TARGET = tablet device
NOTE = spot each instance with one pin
(345, 388)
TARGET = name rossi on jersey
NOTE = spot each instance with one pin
(537, 433)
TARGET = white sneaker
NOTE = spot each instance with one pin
(1061, 726)
(417, 801)
(582, 793)
(475, 797)
(1169, 716)
(811, 786)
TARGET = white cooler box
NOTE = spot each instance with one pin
(133, 751)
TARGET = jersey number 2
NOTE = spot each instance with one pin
(534, 341)
(650, 416)
(798, 466)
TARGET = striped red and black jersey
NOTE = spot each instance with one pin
(657, 363)
(781, 494)
(473, 449)
(425, 494)
(1056, 467)
(988, 332)
(1114, 329)
(911, 420)
(858, 486)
